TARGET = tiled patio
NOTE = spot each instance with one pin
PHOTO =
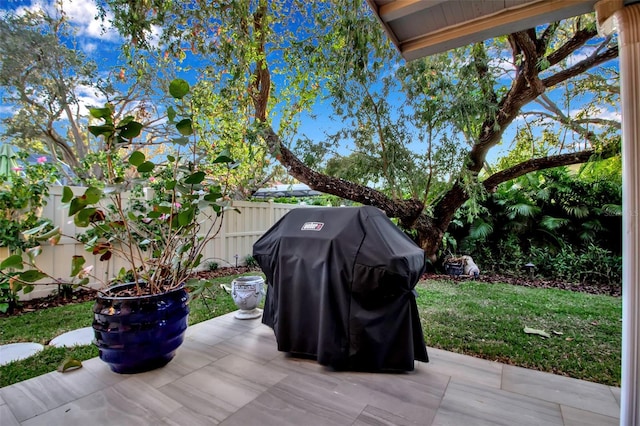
(229, 372)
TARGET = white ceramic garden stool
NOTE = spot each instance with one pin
(247, 293)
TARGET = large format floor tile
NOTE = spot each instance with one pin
(229, 372)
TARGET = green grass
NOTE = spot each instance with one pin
(480, 319)
(488, 321)
(43, 325)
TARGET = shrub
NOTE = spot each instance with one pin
(250, 261)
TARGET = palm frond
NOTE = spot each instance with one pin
(593, 225)
(577, 211)
(612, 209)
(523, 209)
(480, 229)
(552, 223)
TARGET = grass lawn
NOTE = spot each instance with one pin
(480, 319)
(488, 321)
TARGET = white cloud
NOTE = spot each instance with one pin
(6, 110)
(89, 47)
(81, 14)
(88, 97)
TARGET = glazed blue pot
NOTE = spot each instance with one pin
(139, 333)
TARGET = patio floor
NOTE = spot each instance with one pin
(229, 372)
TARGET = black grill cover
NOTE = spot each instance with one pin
(340, 288)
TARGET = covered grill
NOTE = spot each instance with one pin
(340, 288)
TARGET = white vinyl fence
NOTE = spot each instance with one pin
(230, 247)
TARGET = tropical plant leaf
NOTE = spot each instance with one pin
(480, 229)
(552, 223)
(577, 211)
(612, 209)
(523, 209)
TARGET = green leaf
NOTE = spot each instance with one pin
(77, 262)
(36, 229)
(100, 112)
(180, 141)
(171, 114)
(92, 195)
(147, 166)
(163, 209)
(171, 158)
(13, 261)
(224, 157)
(69, 364)
(136, 158)
(76, 205)
(178, 88)
(185, 217)
(67, 194)
(31, 276)
(131, 130)
(54, 232)
(83, 218)
(128, 119)
(101, 130)
(34, 252)
(212, 197)
(185, 127)
(197, 177)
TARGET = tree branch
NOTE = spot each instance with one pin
(407, 211)
(581, 67)
(548, 162)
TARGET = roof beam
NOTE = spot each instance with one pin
(510, 19)
(401, 8)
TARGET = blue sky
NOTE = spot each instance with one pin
(101, 44)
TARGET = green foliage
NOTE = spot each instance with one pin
(250, 261)
(22, 196)
(560, 221)
(591, 264)
(151, 222)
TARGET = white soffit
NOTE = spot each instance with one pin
(424, 27)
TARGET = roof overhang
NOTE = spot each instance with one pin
(424, 27)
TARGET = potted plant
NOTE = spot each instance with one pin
(152, 224)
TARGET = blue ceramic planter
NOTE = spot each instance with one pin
(136, 334)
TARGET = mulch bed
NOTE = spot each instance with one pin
(81, 296)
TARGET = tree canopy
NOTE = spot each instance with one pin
(414, 139)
